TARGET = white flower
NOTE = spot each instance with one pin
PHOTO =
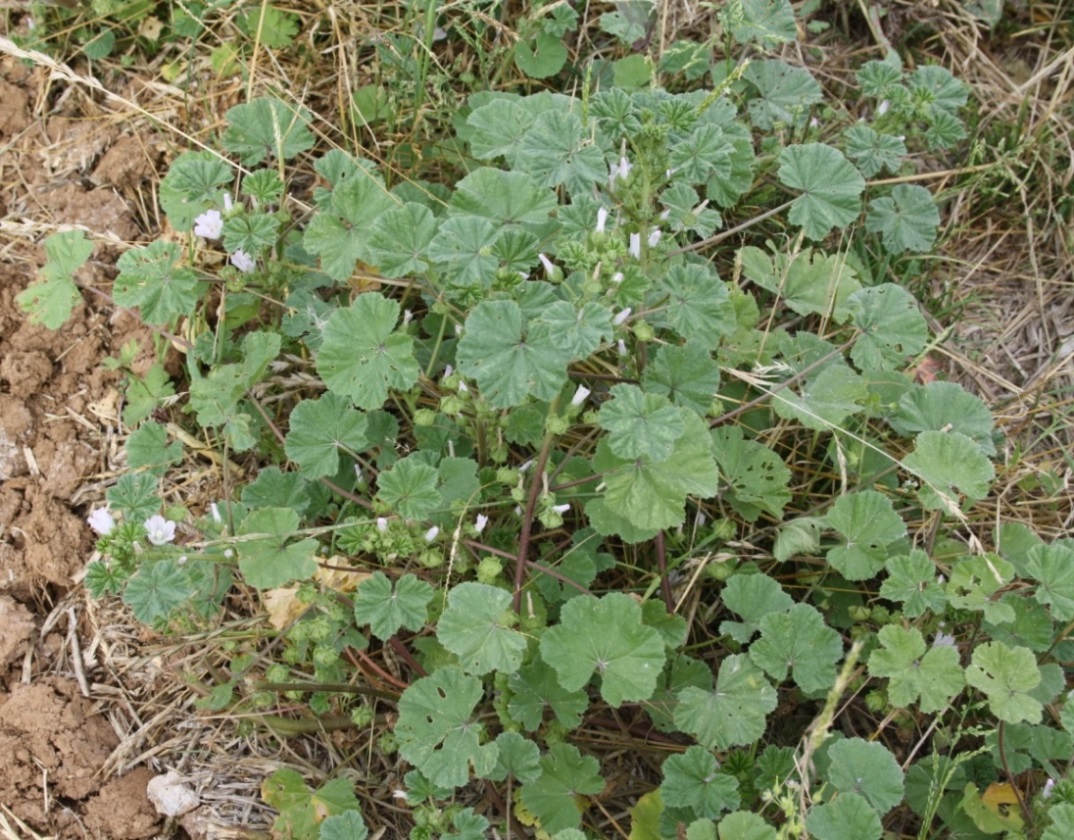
(621, 316)
(635, 245)
(209, 224)
(215, 512)
(481, 522)
(654, 237)
(561, 508)
(622, 347)
(229, 553)
(159, 530)
(620, 171)
(1047, 792)
(602, 219)
(101, 521)
(243, 261)
(431, 534)
(448, 370)
(408, 316)
(549, 269)
(182, 559)
(382, 524)
(943, 640)
(617, 278)
(580, 395)
(882, 108)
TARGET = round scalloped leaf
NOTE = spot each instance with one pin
(945, 406)
(320, 430)
(1007, 676)
(848, 817)
(732, 714)
(831, 188)
(868, 523)
(892, 327)
(743, 825)
(267, 127)
(933, 675)
(867, 769)
(476, 627)
(691, 780)
(946, 463)
(906, 220)
(558, 796)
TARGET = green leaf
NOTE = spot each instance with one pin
(906, 220)
(399, 240)
(50, 299)
(695, 303)
(387, 608)
(519, 757)
(605, 636)
(752, 597)
(362, 356)
(148, 447)
(468, 826)
(941, 407)
(274, 28)
(250, 232)
(974, 580)
(508, 362)
(868, 523)
(800, 642)
(691, 781)
(848, 817)
(649, 495)
(151, 279)
(743, 825)
(810, 282)
(934, 675)
(757, 478)
(266, 127)
(340, 231)
(496, 129)
(556, 798)
(536, 688)
(268, 561)
(146, 393)
(192, 184)
(559, 151)
(477, 626)
(1007, 676)
(827, 399)
(346, 826)
(577, 331)
(867, 769)
(686, 212)
(831, 188)
(946, 463)
(943, 91)
(769, 23)
(892, 327)
(727, 191)
(542, 57)
(871, 151)
(1053, 567)
(912, 582)
(135, 496)
(275, 488)
(785, 94)
(734, 713)
(303, 812)
(701, 154)
(686, 375)
(156, 589)
(409, 488)
(320, 430)
(640, 424)
(462, 250)
(438, 731)
(503, 198)
(798, 536)
(1062, 816)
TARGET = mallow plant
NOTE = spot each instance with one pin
(616, 429)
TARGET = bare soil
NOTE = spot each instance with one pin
(59, 409)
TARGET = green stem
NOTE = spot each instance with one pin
(527, 517)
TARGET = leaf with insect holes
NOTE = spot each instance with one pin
(911, 581)
(438, 731)
(691, 780)
(557, 796)
(153, 280)
(734, 713)
(363, 356)
(266, 558)
(509, 360)
(784, 94)
(50, 299)
(867, 769)
(1007, 677)
(868, 524)
(339, 232)
(605, 636)
(847, 817)
(409, 488)
(831, 188)
(266, 127)
(892, 327)
(756, 477)
(322, 429)
(906, 219)
(933, 675)
(798, 641)
(948, 463)
(477, 627)
(640, 424)
(387, 608)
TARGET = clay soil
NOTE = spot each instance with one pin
(59, 409)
